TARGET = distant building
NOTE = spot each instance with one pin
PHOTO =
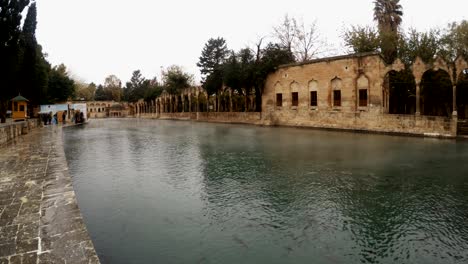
(105, 109)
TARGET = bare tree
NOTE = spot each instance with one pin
(285, 32)
(307, 42)
(300, 39)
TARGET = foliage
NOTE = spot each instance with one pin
(388, 15)
(214, 55)
(454, 41)
(271, 57)
(153, 92)
(425, 45)
(102, 94)
(135, 90)
(61, 86)
(362, 39)
(85, 91)
(113, 86)
(10, 30)
(238, 71)
(33, 79)
(175, 79)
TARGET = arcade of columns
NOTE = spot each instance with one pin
(190, 100)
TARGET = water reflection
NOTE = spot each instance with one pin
(180, 192)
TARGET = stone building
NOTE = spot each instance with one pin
(103, 109)
(351, 92)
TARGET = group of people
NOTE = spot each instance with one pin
(52, 119)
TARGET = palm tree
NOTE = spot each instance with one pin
(388, 15)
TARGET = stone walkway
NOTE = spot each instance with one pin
(40, 221)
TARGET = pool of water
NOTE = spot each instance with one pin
(155, 191)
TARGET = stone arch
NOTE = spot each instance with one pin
(462, 94)
(399, 92)
(278, 87)
(313, 85)
(436, 93)
(294, 86)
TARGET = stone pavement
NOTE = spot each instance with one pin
(40, 221)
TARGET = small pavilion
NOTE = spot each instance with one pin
(19, 108)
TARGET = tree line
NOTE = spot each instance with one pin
(174, 80)
(246, 70)
(24, 68)
(393, 42)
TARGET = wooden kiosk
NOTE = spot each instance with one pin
(19, 110)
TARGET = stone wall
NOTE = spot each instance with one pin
(365, 121)
(288, 98)
(219, 117)
(10, 131)
(231, 117)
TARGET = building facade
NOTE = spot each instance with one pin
(351, 92)
(104, 109)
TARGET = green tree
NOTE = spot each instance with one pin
(238, 72)
(10, 30)
(271, 57)
(454, 41)
(154, 90)
(211, 61)
(362, 39)
(102, 94)
(136, 88)
(175, 79)
(388, 15)
(425, 45)
(60, 87)
(85, 91)
(32, 81)
(113, 86)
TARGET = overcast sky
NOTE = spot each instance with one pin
(96, 38)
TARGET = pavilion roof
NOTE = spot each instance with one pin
(19, 98)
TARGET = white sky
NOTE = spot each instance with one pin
(96, 38)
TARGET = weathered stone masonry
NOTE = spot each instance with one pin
(40, 221)
(348, 92)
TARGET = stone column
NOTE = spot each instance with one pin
(418, 98)
(183, 103)
(454, 101)
(230, 100)
(190, 103)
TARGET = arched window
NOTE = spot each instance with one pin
(313, 91)
(336, 84)
(363, 90)
(294, 94)
(279, 94)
